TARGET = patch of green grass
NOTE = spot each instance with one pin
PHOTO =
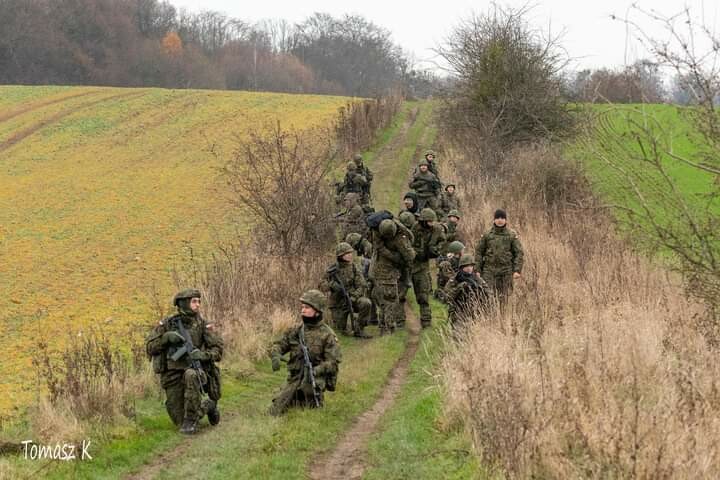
(413, 442)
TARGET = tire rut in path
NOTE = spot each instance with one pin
(348, 459)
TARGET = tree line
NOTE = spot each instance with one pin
(152, 43)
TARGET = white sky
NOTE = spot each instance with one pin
(591, 37)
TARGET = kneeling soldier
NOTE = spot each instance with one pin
(184, 351)
(314, 357)
(466, 292)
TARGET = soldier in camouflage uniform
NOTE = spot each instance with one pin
(408, 219)
(427, 187)
(465, 291)
(428, 240)
(323, 350)
(352, 220)
(363, 250)
(449, 200)
(361, 169)
(451, 228)
(346, 274)
(429, 157)
(499, 257)
(392, 251)
(183, 385)
(448, 267)
(410, 203)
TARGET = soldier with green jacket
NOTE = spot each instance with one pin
(429, 157)
(427, 187)
(348, 292)
(323, 351)
(449, 200)
(362, 246)
(448, 267)
(392, 251)
(408, 219)
(451, 228)
(352, 220)
(184, 384)
(428, 239)
(361, 169)
(465, 292)
(499, 257)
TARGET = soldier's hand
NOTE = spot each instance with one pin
(275, 363)
(172, 338)
(516, 275)
(198, 354)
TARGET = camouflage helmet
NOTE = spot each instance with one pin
(466, 260)
(454, 213)
(351, 197)
(423, 162)
(353, 238)
(185, 294)
(387, 228)
(407, 219)
(428, 215)
(456, 247)
(351, 166)
(429, 152)
(314, 298)
(450, 185)
(342, 248)
(357, 158)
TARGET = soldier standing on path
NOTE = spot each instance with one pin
(449, 200)
(392, 251)
(451, 228)
(408, 219)
(186, 374)
(324, 355)
(361, 169)
(346, 284)
(427, 187)
(499, 257)
(428, 240)
(465, 292)
(448, 267)
(429, 157)
(410, 203)
(352, 220)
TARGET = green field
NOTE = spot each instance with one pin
(673, 133)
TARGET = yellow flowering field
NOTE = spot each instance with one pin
(101, 192)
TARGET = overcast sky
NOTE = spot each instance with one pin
(591, 37)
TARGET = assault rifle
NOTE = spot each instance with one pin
(185, 350)
(308, 366)
(333, 273)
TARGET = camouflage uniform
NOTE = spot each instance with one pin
(432, 164)
(448, 267)
(363, 249)
(498, 255)
(323, 350)
(367, 174)
(353, 219)
(407, 218)
(183, 385)
(347, 275)
(392, 251)
(465, 291)
(451, 231)
(427, 187)
(427, 243)
(449, 201)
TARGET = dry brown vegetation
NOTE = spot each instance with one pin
(598, 368)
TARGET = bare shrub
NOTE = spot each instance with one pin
(93, 380)
(281, 178)
(596, 369)
(358, 122)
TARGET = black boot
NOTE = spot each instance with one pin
(213, 413)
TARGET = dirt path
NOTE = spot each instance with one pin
(347, 460)
(46, 103)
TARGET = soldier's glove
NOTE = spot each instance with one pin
(172, 338)
(198, 354)
(275, 363)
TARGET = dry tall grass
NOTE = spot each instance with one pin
(597, 368)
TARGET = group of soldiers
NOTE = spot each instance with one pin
(378, 258)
